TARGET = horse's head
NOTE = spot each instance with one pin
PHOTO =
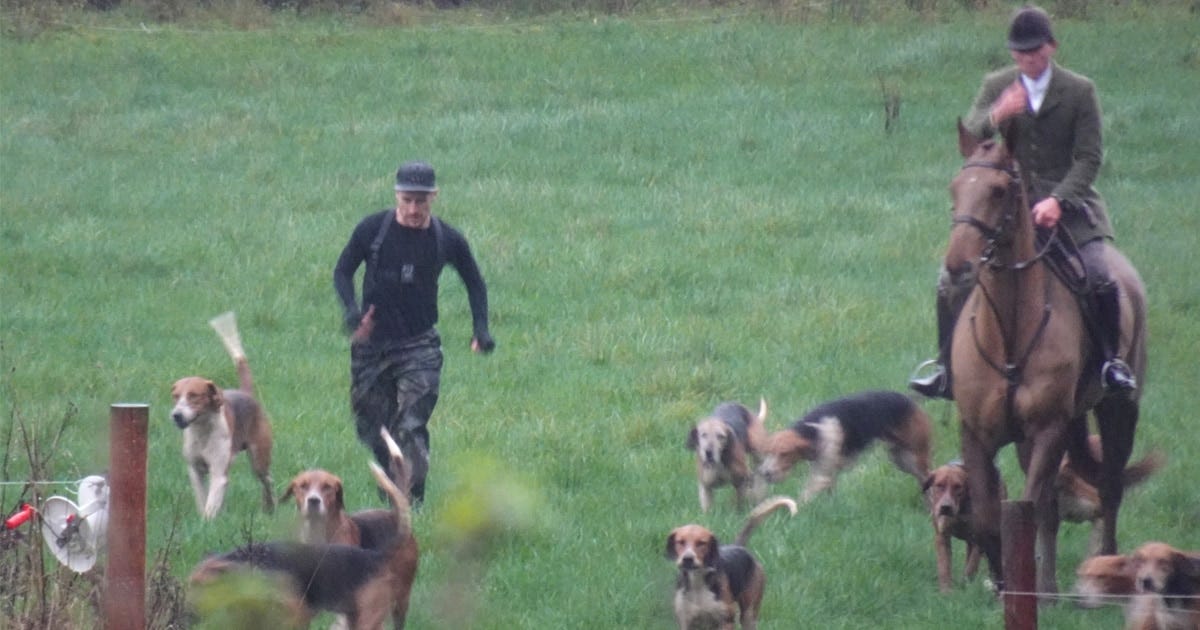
(986, 195)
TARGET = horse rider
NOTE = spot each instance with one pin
(1054, 115)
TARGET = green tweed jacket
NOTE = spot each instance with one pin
(1060, 147)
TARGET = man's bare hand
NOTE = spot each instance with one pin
(1013, 101)
(363, 332)
(1047, 212)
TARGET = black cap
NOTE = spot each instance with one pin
(415, 176)
(1030, 30)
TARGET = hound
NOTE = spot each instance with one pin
(724, 442)
(343, 579)
(719, 583)
(319, 500)
(1079, 501)
(1167, 581)
(950, 510)
(1159, 584)
(217, 425)
(1101, 580)
(833, 434)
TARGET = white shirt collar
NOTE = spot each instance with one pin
(1036, 88)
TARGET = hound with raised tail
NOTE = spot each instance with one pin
(718, 584)
(1079, 501)
(833, 434)
(345, 579)
(725, 442)
(217, 425)
(323, 519)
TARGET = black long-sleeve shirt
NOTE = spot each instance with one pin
(404, 287)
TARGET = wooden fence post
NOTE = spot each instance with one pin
(1017, 540)
(125, 575)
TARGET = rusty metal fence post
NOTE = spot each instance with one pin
(125, 575)
(1017, 541)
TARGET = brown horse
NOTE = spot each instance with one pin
(1023, 365)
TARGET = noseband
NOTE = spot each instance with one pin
(995, 234)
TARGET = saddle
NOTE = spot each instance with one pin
(1064, 260)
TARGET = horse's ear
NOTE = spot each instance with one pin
(1010, 138)
(967, 143)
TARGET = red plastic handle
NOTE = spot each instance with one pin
(15, 521)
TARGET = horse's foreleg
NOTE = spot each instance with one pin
(1024, 453)
(983, 487)
(1045, 452)
(1117, 419)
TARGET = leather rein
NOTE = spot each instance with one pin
(1001, 234)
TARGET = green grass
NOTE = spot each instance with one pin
(669, 213)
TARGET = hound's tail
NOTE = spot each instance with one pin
(1084, 456)
(399, 502)
(1144, 468)
(399, 470)
(245, 380)
(760, 513)
(756, 429)
(226, 326)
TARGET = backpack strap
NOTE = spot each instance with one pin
(388, 219)
(373, 262)
(439, 239)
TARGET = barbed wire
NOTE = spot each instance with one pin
(1104, 599)
(44, 482)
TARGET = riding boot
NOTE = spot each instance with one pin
(1115, 374)
(937, 383)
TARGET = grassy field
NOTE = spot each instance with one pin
(669, 213)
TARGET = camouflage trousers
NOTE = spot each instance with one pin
(395, 385)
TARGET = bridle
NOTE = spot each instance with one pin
(1002, 234)
(1018, 200)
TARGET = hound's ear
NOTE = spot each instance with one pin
(340, 501)
(671, 555)
(214, 393)
(729, 452)
(693, 439)
(713, 554)
(291, 491)
(1187, 565)
(925, 485)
